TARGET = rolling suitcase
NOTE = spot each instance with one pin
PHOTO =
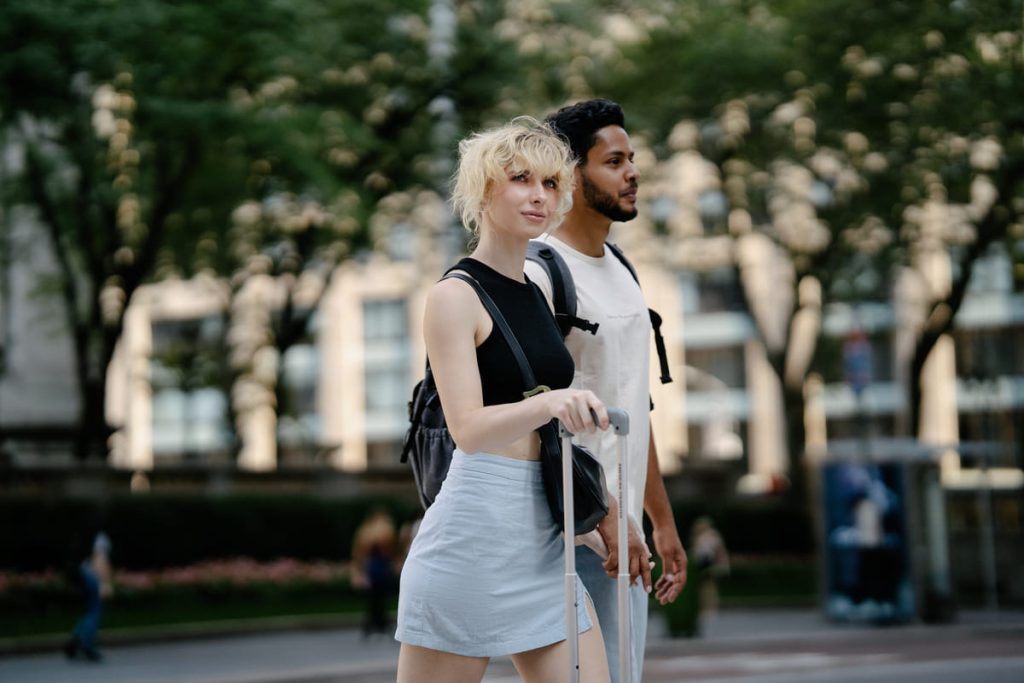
(620, 423)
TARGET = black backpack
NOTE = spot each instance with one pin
(563, 296)
(429, 445)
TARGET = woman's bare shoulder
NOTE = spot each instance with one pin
(452, 301)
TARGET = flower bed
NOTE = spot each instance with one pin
(47, 601)
(237, 572)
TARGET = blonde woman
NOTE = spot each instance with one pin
(484, 576)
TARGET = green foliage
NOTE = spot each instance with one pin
(703, 54)
(751, 582)
(341, 103)
(170, 531)
(29, 612)
(143, 126)
(752, 526)
(165, 531)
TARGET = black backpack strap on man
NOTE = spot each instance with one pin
(563, 296)
(563, 289)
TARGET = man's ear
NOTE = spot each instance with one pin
(577, 172)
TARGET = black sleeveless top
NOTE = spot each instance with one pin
(529, 316)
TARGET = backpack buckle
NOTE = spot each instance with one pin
(539, 389)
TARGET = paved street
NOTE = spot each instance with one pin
(764, 646)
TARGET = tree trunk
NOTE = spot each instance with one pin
(93, 431)
(793, 404)
(289, 333)
(940, 319)
(227, 380)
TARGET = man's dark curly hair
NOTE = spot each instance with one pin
(578, 123)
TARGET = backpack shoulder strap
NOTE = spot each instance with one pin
(617, 251)
(563, 289)
(659, 340)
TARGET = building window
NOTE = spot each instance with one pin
(724, 365)
(189, 379)
(718, 439)
(299, 426)
(994, 271)
(864, 426)
(990, 352)
(713, 291)
(387, 381)
(995, 425)
(1017, 257)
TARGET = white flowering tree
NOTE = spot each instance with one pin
(135, 149)
(286, 250)
(917, 104)
(820, 148)
(138, 148)
(126, 146)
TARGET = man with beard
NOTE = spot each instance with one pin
(613, 362)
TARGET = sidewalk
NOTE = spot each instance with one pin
(341, 654)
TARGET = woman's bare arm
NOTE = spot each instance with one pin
(455, 322)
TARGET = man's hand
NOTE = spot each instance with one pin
(639, 554)
(673, 565)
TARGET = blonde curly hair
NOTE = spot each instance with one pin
(486, 158)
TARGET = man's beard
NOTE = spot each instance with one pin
(604, 203)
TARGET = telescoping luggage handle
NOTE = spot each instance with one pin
(620, 423)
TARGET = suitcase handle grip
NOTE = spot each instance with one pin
(618, 417)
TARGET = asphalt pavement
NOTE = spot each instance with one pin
(739, 646)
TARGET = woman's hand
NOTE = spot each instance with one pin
(578, 409)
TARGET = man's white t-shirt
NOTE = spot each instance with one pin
(615, 362)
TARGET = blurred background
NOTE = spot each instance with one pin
(218, 222)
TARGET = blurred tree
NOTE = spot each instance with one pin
(921, 101)
(135, 149)
(847, 144)
(727, 192)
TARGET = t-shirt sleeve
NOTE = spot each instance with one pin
(539, 277)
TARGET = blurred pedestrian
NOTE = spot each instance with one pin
(95, 578)
(406, 534)
(711, 561)
(485, 574)
(373, 568)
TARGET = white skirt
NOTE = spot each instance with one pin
(485, 574)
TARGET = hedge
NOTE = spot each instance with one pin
(54, 609)
(162, 531)
(155, 531)
(752, 526)
(752, 582)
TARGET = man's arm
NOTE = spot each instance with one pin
(639, 555)
(666, 536)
